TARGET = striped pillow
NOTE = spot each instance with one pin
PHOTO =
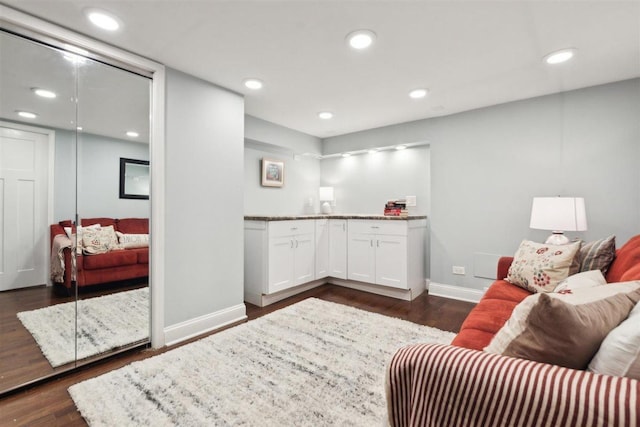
(597, 255)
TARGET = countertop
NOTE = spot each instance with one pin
(332, 216)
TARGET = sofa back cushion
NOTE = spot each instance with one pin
(627, 257)
(133, 226)
(104, 222)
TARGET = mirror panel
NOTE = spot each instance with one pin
(80, 136)
(37, 178)
(113, 266)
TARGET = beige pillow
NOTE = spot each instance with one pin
(565, 329)
(99, 240)
(585, 279)
(619, 353)
(539, 267)
(132, 241)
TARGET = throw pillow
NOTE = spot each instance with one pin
(132, 241)
(79, 230)
(598, 255)
(539, 267)
(565, 329)
(619, 353)
(98, 240)
(586, 279)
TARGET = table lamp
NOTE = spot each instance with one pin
(558, 214)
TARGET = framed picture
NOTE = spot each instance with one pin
(134, 179)
(272, 173)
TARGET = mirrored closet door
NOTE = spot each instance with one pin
(74, 255)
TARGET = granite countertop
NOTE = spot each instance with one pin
(331, 216)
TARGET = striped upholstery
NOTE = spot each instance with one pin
(439, 385)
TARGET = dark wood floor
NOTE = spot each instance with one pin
(49, 404)
(20, 356)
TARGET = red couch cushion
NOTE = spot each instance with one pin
(104, 222)
(491, 313)
(142, 254)
(133, 225)
(627, 256)
(110, 259)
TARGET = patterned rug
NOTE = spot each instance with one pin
(103, 323)
(314, 363)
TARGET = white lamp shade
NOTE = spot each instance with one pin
(326, 194)
(558, 214)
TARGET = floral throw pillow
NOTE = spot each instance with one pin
(99, 241)
(539, 267)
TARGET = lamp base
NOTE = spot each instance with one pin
(326, 208)
(557, 238)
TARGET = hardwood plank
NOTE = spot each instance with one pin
(49, 403)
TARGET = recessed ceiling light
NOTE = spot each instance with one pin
(43, 92)
(325, 115)
(361, 39)
(401, 147)
(418, 93)
(560, 56)
(373, 151)
(103, 20)
(254, 84)
(79, 128)
(132, 134)
(346, 155)
(27, 114)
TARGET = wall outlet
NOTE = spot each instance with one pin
(458, 270)
(411, 200)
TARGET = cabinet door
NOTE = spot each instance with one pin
(391, 261)
(304, 258)
(361, 258)
(338, 248)
(322, 248)
(281, 251)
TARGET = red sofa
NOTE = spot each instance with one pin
(112, 266)
(458, 384)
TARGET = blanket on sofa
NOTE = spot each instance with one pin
(60, 243)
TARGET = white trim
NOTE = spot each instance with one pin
(156, 145)
(51, 163)
(455, 292)
(263, 300)
(203, 324)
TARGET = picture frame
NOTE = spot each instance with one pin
(272, 173)
(134, 179)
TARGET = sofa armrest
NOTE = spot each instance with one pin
(503, 267)
(440, 385)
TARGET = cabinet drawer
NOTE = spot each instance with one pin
(289, 228)
(395, 227)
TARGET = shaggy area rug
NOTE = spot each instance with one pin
(103, 323)
(313, 363)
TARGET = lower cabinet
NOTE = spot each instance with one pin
(379, 253)
(280, 255)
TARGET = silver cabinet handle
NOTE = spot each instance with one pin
(344, 227)
(294, 228)
(371, 241)
(292, 244)
(374, 226)
(378, 243)
(296, 243)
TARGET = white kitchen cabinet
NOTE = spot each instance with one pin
(338, 248)
(388, 253)
(322, 248)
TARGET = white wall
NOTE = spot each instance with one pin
(488, 164)
(204, 198)
(301, 172)
(99, 172)
(364, 183)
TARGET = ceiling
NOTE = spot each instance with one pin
(469, 54)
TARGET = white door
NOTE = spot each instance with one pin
(24, 240)
(338, 248)
(280, 263)
(304, 258)
(391, 261)
(322, 248)
(361, 258)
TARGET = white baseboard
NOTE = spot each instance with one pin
(403, 294)
(455, 292)
(184, 330)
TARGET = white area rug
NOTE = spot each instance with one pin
(313, 363)
(104, 323)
